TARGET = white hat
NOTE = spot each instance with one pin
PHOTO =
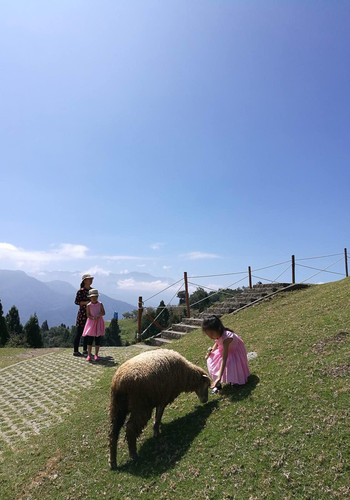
(86, 276)
(93, 292)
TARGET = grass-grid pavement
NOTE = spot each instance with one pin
(38, 392)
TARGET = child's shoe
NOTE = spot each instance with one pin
(88, 358)
(95, 357)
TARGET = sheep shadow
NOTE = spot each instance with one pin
(157, 455)
(239, 392)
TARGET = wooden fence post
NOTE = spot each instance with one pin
(250, 277)
(293, 269)
(186, 296)
(139, 317)
(346, 262)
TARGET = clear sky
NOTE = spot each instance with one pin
(169, 136)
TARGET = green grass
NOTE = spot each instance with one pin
(128, 329)
(12, 355)
(285, 435)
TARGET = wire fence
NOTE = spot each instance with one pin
(290, 273)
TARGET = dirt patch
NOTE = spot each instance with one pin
(338, 371)
(49, 473)
(34, 353)
(335, 339)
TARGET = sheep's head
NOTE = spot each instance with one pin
(202, 391)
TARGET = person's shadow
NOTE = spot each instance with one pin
(107, 361)
(157, 455)
(239, 392)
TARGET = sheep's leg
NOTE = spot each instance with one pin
(134, 426)
(118, 416)
(157, 419)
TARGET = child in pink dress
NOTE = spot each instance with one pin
(227, 360)
(95, 325)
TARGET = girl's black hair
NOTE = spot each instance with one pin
(213, 323)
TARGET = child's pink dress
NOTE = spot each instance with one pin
(94, 327)
(236, 370)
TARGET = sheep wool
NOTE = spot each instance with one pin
(150, 380)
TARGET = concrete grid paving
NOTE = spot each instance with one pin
(38, 392)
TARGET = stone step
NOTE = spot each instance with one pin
(158, 341)
(193, 321)
(172, 334)
(183, 327)
(242, 301)
(229, 305)
(217, 311)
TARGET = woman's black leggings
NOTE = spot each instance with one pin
(78, 334)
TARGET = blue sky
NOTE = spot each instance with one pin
(162, 136)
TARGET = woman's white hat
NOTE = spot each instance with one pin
(93, 292)
(86, 276)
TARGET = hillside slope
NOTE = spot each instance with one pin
(284, 435)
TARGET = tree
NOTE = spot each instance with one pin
(4, 333)
(182, 296)
(45, 326)
(15, 328)
(146, 323)
(32, 332)
(58, 336)
(163, 319)
(197, 296)
(112, 334)
(128, 315)
(13, 322)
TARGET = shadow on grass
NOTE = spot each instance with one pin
(239, 392)
(106, 361)
(157, 455)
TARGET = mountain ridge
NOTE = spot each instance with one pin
(52, 301)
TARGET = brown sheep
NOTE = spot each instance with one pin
(150, 380)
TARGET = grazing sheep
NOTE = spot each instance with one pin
(150, 380)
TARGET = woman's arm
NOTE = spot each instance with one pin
(80, 300)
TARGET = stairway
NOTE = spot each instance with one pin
(244, 299)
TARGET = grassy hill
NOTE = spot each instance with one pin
(284, 435)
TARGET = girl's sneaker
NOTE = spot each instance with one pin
(88, 358)
(95, 357)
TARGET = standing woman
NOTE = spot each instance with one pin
(82, 299)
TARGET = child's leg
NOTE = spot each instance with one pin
(89, 345)
(97, 345)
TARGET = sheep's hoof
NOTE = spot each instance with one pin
(113, 465)
(134, 456)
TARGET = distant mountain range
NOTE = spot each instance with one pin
(127, 286)
(52, 300)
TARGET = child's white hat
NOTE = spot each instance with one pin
(93, 292)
